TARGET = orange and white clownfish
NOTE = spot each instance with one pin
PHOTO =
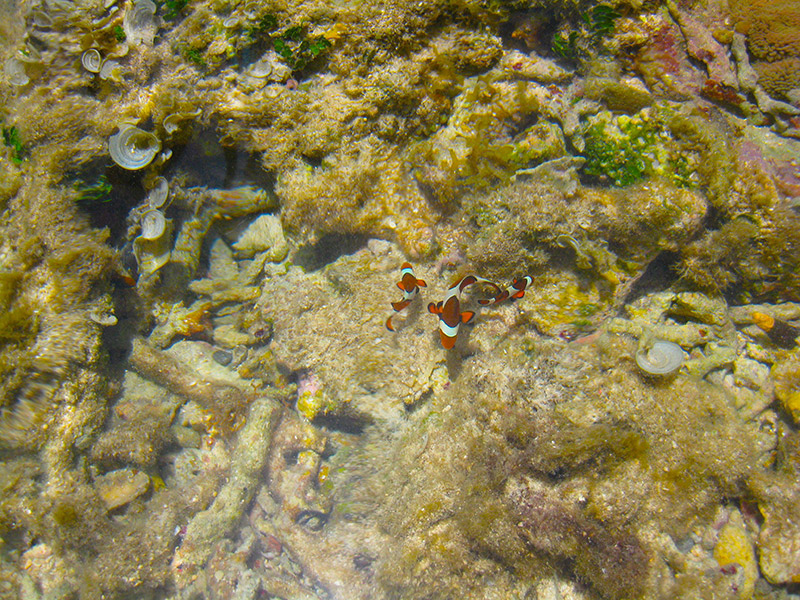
(513, 292)
(449, 310)
(410, 286)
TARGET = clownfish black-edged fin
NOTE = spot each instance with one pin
(518, 295)
(389, 325)
(400, 286)
(467, 316)
(421, 283)
(435, 308)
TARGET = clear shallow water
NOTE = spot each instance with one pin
(222, 412)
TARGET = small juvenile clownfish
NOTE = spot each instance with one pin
(513, 292)
(449, 310)
(780, 332)
(410, 286)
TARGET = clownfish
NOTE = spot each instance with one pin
(449, 310)
(513, 292)
(410, 286)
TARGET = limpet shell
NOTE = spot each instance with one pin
(154, 224)
(91, 60)
(661, 358)
(133, 148)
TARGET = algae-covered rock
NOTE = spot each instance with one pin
(786, 374)
(778, 547)
(734, 549)
(118, 488)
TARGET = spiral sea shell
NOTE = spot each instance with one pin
(661, 358)
(110, 69)
(14, 72)
(91, 60)
(133, 148)
(139, 23)
(154, 224)
(159, 194)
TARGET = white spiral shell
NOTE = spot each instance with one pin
(91, 60)
(158, 195)
(133, 148)
(661, 358)
(14, 72)
(111, 69)
(139, 23)
(154, 224)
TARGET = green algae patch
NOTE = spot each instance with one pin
(624, 150)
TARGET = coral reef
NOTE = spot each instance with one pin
(199, 395)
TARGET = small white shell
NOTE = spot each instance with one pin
(154, 224)
(15, 73)
(260, 70)
(171, 122)
(231, 22)
(661, 358)
(41, 18)
(91, 60)
(103, 318)
(139, 23)
(110, 69)
(159, 194)
(133, 148)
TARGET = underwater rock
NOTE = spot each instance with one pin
(734, 550)
(778, 547)
(265, 234)
(704, 47)
(249, 458)
(518, 65)
(786, 374)
(118, 488)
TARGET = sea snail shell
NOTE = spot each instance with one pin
(153, 224)
(157, 197)
(661, 358)
(139, 22)
(133, 148)
(91, 60)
